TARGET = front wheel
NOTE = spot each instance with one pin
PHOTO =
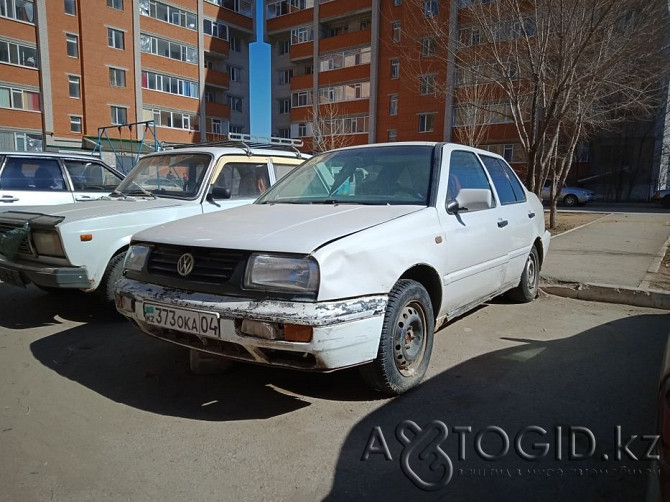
(570, 200)
(406, 341)
(528, 288)
(105, 291)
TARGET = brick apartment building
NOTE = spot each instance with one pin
(68, 67)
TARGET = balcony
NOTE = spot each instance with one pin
(291, 20)
(340, 8)
(301, 82)
(217, 110)
(213, 44)
(347, 74)
(344, 41)
(302, 51)
(217, 78)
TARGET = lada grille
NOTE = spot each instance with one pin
(212, 266)
(24, 248)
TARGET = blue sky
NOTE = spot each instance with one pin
(259, 79)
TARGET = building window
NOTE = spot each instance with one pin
(392, 135)
(302, 34)
(396, 27)
(168, 49)
(117, 77)
(301, 98)
(210, 96)
(217, 126)
(18, 54)
(427, 84)
(397, 3)
(235, 44)
(302, 129)
(72, 43)
(215, 29)
(284, 106)
(75, 123)
(395, 68)
(21, 10)
(284, 47)
(235, 73)
(508, 152)
(167, 13)
(235, 103)
(173, 120)
(115, 39)
(284, 132)
(115, 4)
(393, 104)
(74, 84)
(237, 129)
(428, 47)
(240, 6)
(426, 122)
(119, 115)
(169, 84)
(284, 76)
(430, 8)
(69, 5)
(19, 99)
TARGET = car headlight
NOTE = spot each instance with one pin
(48, 244)
(282, 273)
(135, 258)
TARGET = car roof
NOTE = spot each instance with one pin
(52, 154)
(425, 143)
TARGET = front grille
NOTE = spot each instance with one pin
(211, 266)
(24, 247)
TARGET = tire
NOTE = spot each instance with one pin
(105, 291)
(409, 317)
(528, 288)
(570, 200)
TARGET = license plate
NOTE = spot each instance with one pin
(186, 320)
(11, 277)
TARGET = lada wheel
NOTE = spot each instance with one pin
(105, 291)
(406, 340)
(527, 289)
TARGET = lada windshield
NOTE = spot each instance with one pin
(174, 175)
(377, 175)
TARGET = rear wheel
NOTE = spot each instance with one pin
(528, 288)
(570, 200)
(105, 291)
(406, 341)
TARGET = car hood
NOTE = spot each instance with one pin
(78, 211)
(287, 228)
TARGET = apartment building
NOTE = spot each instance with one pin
(69, 67)
(370, 69)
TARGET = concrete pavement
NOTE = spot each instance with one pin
(610, 259)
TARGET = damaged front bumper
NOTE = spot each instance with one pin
(343, 333)
(47, 275)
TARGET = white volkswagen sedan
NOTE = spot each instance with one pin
(354, 259)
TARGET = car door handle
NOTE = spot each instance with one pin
(8, 198)
(502, 223)
(531, 215)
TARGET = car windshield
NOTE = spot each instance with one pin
(166, 175)
(394, 174)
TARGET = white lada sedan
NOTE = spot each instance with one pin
(354, 259)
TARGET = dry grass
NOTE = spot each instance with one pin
(568, 221)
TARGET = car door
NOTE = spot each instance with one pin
(32, 181)
(90, 179)
(246, 178)
(476, 249)
(515, 213)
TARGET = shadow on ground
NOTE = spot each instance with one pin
(602, 378)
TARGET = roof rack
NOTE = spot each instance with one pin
(246, 142)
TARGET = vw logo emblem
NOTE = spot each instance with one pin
(185, 264)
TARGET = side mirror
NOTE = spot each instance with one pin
(218, 193)
(471, 199)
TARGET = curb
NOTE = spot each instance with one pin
(649, 298)
(581, 226)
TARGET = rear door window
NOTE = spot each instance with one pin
(91, 176)
(507, 185)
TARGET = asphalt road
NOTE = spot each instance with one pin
(92, 409)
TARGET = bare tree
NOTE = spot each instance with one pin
(329, 128)
(562, 68)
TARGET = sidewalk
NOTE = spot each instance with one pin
(610, 259)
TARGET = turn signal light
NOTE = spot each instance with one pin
(297, 333)
(86, 237)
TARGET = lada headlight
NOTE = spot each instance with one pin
(48, 244)
(136, 257)
(282, 273)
